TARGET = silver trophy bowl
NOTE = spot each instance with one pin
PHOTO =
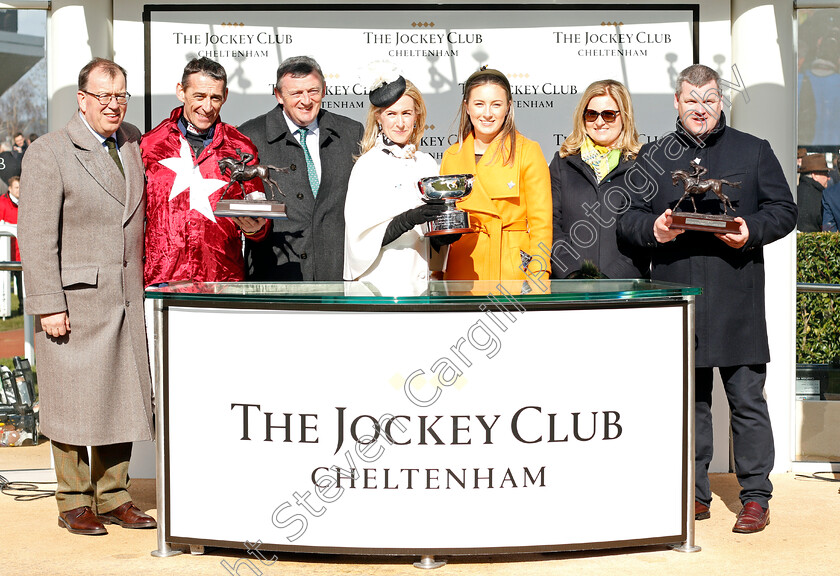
(450, 189)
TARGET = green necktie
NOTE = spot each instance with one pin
(310, 165)
(112, 150)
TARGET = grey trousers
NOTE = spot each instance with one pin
(752, 436)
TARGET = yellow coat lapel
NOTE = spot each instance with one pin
(463, 162)
(499, 181)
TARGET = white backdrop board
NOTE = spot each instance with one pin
(550, 53)
(496, 432)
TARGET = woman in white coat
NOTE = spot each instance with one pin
(384, 241)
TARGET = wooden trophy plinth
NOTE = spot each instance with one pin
(715, 223)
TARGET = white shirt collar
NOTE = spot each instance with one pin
(99, 136)
(293, 128)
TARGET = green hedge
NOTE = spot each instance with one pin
(817, 327)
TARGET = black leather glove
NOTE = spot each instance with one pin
(404, 222)
(439, 242)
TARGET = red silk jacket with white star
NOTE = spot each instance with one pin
(184, 241)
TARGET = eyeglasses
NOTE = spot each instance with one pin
(609, 116)
(105, 99)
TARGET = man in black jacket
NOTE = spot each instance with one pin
(9, 163)
(319, 148)
(731, 331)
(20, 146)
(809, 193)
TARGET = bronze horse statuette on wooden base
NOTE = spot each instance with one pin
(695, 186)
(255, 204)
(241, 172)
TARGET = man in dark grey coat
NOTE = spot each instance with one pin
(319, 148)
(81, 240)
(731, 331)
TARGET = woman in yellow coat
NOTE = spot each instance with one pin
(510, 204)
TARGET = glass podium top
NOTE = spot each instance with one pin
(434, 292)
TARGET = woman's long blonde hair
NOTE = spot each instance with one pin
(465, 127)
(628, 140)
(372, 124)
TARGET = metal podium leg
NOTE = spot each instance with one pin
(163, 549)
(688, 545)
(429, 562)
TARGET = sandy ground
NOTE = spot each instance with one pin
(801, 539)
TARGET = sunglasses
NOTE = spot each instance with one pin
(609, 116)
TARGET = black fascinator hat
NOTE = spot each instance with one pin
(386, 93)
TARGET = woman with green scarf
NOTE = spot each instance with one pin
(589, 191)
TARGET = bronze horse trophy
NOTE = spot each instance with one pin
(693, 186)
(254, 205)
(240, 171)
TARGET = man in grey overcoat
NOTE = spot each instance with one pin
(81, 239)
(319, 147)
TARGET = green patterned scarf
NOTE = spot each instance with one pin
(600, 158)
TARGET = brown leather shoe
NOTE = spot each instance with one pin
(701, 511)
(81, 520)
(752, 518)
(128, 516)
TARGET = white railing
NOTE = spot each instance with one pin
(8, 231)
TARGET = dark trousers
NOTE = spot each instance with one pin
(752, 436)
(101, 483)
